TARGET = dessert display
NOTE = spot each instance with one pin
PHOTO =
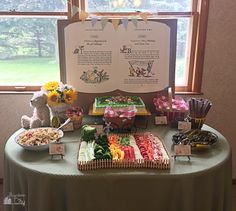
(122, 151)
(119, 101)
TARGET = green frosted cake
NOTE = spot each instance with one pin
(118, 102)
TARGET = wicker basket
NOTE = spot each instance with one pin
(76, 116)
(120, 123)
(120, 118)
(172, 115)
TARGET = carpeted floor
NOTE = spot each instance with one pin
(233, 200)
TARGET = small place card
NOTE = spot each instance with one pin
(182, 150)
(182, 125)
(68, 127)
(161, 120)
(57, 149)
(99, 128)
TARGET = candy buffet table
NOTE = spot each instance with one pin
(203, 184)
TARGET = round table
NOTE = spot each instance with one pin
(201, 184)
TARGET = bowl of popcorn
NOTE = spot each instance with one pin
(38, 139)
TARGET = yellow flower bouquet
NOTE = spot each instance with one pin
(58, 92)
(60, 98)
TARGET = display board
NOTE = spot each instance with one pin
(137, 58)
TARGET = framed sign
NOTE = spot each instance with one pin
(137, 58)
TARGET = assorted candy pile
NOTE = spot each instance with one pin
(195, 137)
(164, 103)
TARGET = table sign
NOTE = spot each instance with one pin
(161, 120)
(100, 59)
(182, 150)
(56, 149)
(182, 125)
(68, 127)
(99, 128)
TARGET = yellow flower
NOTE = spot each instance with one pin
(52, 85)
(69, 96)
(53, 98)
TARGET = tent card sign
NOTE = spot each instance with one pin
(136, 59)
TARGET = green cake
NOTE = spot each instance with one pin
(118, 102)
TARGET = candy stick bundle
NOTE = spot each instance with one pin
(198, 108)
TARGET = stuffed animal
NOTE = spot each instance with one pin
(41, 114)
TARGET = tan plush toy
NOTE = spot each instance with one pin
(41, 114)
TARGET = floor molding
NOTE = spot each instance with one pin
(233, 181)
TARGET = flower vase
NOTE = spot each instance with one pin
(60, 111)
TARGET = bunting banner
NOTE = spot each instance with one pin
(75, 10)
(125, 22)
(144, 16)
(115, 23)
(104, 21)
(135, 21)
(83, 15)
(94, 20)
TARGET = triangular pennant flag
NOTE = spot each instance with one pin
(135, 21)
(103, 22)
(75, 10)
(144, 16)
(94, 20)
(115, 23)
(125, 22)
(83, 16)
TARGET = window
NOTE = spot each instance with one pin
(28, 36)
(192, 21)
(28, 42)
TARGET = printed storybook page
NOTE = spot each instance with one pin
(104, 58)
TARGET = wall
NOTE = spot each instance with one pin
(219, 80)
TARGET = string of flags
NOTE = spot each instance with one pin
(115, 21)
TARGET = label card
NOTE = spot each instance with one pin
(182, 125)
(99, 128)
(182, 150)
(57, 149)
(161, 120)
(68, 127)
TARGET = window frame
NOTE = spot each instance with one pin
(198, 17)
(13, 13)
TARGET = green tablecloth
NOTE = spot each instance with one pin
(203, 184)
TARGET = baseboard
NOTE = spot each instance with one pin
(233, 181)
